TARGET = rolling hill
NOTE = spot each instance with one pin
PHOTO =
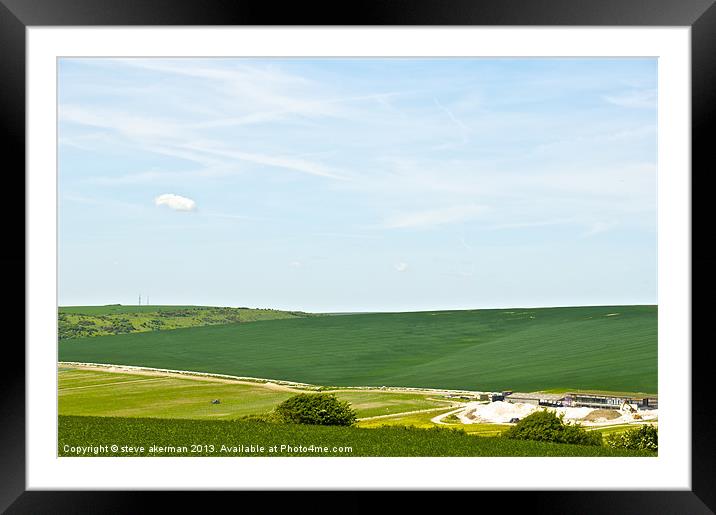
(603, 348)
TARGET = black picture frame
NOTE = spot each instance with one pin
(17, 15)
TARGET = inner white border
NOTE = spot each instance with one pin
(671, 470)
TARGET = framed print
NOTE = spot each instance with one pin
(423, 248)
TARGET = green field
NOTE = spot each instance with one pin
(423, 420)
(109, 394)
(98, 393)
(92, 321)
(598, 348)
(388, 441)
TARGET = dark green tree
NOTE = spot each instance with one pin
(316, 408)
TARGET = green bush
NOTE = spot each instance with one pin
(643, 438)
(316, 408)
(546, 426)
(270, 417)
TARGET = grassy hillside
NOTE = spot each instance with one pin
(86, 321)
(90, 392)
(388, 441)
(603, 348)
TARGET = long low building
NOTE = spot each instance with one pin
(591, 400)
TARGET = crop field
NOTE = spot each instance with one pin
(423, 420)
(481, 429)
(620, 428)
(591, 348)
(372, 404)
(93, 432)
(99, 393)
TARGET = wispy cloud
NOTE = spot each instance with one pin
(434, 217)
(319, 108)
(175, 140)
(133, 126)
(229, 216)
(291, 163)
(267, 93)
(102, 202)
(452, 116)
(137, 178)
(463, 129)
(531, 224)
(638, 99)
(600, 227)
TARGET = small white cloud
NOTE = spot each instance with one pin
(401, 267)
(295, 264)
(175, 202)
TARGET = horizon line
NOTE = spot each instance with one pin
(367, 311)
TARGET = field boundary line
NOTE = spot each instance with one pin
(110, 367)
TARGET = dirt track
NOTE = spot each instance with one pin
(403, 413)
(439, 418)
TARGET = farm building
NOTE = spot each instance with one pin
(538, 399)
(587, 400)
(590, 400)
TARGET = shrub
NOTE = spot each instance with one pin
(316, 408)
(451, 419)
(643, 438)
(546, 426)
(270, 417)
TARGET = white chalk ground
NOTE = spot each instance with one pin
(501, 412)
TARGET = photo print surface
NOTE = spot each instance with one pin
(357, 257)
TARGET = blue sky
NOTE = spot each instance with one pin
(358, 184)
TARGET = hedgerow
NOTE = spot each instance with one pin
(643, 438)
